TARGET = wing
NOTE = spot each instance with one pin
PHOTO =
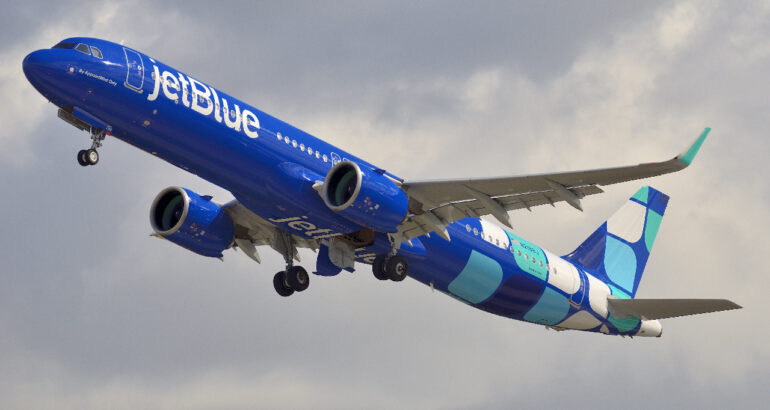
(435, 204)
(252, 231)
(667, 308)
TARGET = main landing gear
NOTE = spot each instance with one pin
(294, 278)
(393, 267)
(90, 156)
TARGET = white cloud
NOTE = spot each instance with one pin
(676, 26)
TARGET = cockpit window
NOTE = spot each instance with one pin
(83, 49)
(96, 52)
(64, 44)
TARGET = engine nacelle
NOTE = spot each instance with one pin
(367, 198)
(191, 221)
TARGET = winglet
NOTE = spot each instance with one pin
(688, 155)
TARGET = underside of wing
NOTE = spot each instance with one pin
(435, 204)
(667, 308)
(252, 231)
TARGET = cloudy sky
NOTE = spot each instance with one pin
(95, 314)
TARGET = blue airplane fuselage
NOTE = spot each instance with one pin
(270, 166)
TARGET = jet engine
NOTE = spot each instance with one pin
(191, 221)
(367, 198)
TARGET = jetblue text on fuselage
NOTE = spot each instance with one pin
(203, 100)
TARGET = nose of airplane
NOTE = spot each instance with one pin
(36, 66)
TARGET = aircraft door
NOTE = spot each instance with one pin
(135, 68)
(576, 299)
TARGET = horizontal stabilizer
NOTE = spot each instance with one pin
(651, 309)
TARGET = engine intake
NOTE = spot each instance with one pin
(342, 185)
(191, 221)
(367, 198)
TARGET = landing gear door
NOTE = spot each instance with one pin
(135, 68)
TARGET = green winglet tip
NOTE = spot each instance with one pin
(689, 155)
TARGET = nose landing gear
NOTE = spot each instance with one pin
(90, 156)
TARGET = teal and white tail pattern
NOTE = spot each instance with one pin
(618, 250)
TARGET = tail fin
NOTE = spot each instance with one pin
(617, 252)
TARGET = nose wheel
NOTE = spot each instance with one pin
(90, 156)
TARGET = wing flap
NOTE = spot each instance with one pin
(650, 309)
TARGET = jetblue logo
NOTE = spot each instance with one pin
(298, 223)
(204, 100)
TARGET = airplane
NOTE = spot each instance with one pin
(293, 190)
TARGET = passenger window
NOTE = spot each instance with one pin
(83, 49)
(98, 53)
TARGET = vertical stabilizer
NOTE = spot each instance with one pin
(618, 250)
